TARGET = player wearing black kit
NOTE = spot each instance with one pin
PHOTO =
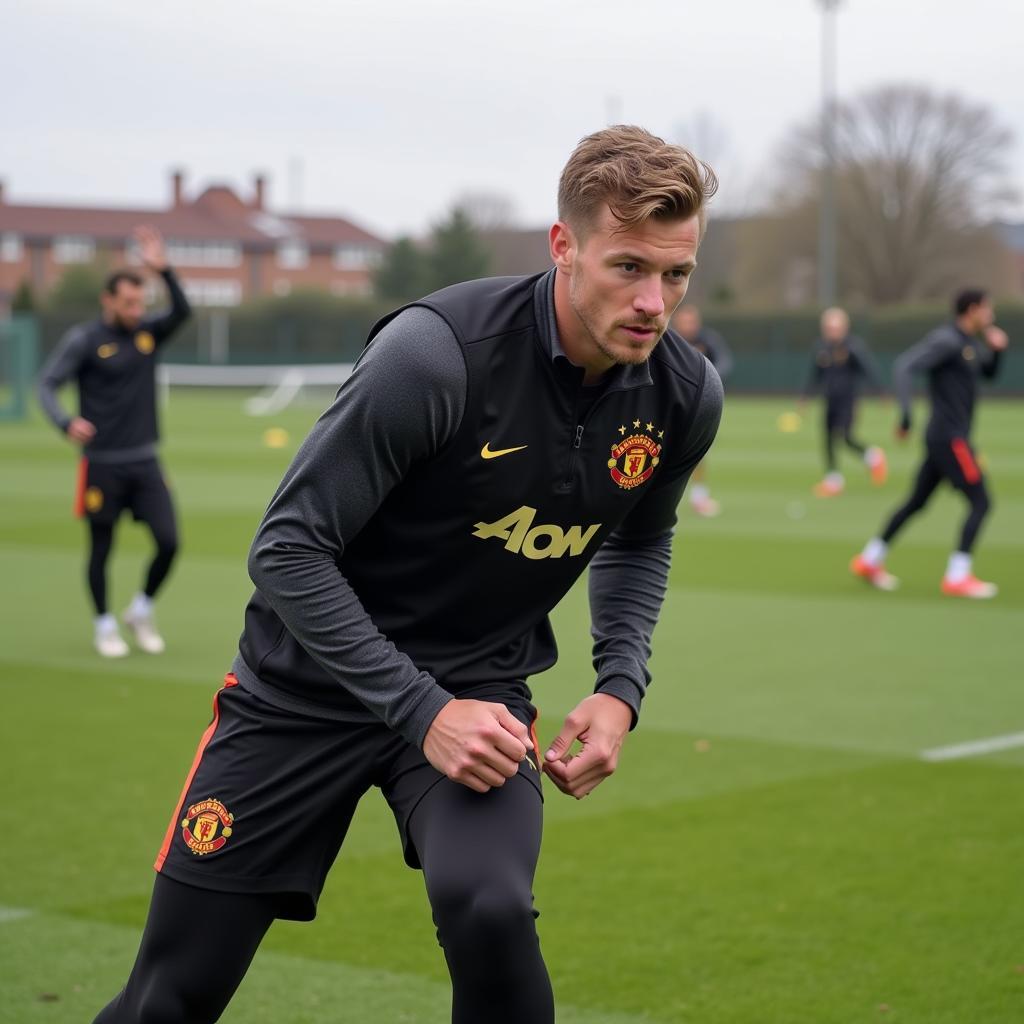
(840, 364)
(689, 323)
(112, 361)
(953, 357)
(494, 439)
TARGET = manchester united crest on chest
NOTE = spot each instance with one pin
(635, 457)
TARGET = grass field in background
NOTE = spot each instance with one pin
(773, 849)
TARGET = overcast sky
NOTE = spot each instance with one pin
(391, 110)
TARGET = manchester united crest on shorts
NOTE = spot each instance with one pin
(636, 456)
(207, 826)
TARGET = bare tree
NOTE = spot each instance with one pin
(918, 177)
(488, 210)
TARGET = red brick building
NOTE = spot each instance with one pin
(226, 249)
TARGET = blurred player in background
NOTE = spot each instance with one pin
(112, 361)
(493, 439)
(952, 356)
(841, 363)
(689, 324)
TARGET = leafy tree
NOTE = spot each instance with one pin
(24, 300)
(78, 289)
(403, 273)
(457, 252)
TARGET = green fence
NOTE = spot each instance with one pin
(19, 354)
(772, 348)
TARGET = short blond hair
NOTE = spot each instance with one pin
(638, 175)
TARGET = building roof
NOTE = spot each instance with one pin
(216, 214)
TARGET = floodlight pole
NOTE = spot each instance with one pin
(827, 230)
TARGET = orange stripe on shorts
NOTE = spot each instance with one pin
(83, 476)
(969, 468)
(204, 741)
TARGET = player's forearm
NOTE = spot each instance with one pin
(627, 586)
(62, 365)
(322, 611)
(991, 360)
(55, 412)
(180, 309)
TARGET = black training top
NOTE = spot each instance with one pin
(838, 368)
(433, 518)
(115, 372)
(953, 360)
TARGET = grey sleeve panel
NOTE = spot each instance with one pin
(930, 351)
(627, 586)
(404, 401)
(64, 363)
(629, 576)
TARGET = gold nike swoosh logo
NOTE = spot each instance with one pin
(486, 452)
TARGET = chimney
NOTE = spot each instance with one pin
(259, 191)
(177, 189)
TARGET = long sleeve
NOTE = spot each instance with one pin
(403, 402)
(63, 365)
(164, 325)
(629, 574)
(813, 379)
(990, 362)
(932, 350)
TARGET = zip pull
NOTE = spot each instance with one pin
(578, 440)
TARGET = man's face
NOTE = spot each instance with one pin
(687, 322)
(835, 325)
(624, 285)
(982, 315)
(125, 307)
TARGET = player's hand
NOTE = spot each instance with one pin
(600, 723)
(996, 338)
(151, 247)
(81, 430)
(477, 743)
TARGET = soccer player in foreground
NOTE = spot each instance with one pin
(952, 356)
(493, 439)
(710, 343)
(113, 362)
(841, 362)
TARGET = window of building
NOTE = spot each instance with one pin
(73, 249)
(356, 256)
(213, 293)
(204, 254)
(292, 255)
(10, 247)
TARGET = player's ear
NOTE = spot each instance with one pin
(562, 244)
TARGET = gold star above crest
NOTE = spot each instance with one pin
(636, 423)
(650, 427)
(622, 430)
(661, 433)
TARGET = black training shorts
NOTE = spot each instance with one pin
(271, 793)
(106, 489)
(954, 459)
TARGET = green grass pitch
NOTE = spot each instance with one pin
(773, 849)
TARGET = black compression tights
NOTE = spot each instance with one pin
(186, 974)
(478, 852)
(847, 437)
(928, 479)
(101, 540)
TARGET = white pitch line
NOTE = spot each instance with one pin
(14, 914)
(975, 748)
